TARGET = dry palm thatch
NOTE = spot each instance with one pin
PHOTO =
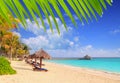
(42, 54)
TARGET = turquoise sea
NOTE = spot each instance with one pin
(104, 64)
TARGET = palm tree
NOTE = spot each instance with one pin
(25, 48)
(22, 50)
(22, 9)
(4, 35)
(10, 43)
(12, 46)
(1, 36)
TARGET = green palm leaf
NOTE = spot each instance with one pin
(36, 9)
(90, 8)
(29, 6)
(54, 3)
(46, 13)
(103, 3)
(80, 10)
(45, 2)
(62, 3)
(84, 9)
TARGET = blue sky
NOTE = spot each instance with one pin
(98, 38)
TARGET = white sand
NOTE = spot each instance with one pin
(57, 74)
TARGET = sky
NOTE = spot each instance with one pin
(97, 38)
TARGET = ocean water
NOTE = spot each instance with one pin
(104, 64)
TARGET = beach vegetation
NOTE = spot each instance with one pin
(5, 67)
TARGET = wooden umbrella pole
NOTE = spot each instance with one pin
(40, 62)
(35, 60)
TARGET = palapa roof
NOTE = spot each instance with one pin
(31, 56)
(42, 54)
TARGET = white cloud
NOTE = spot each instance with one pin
(76, 39)
(115, 31)
(16, 33)
(61, 45)
(80, 52)
(118, 50)
(35, 43)
(88, 47)
(49, 40)
(33, 27)
(71, 44)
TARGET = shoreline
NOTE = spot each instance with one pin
(98, 70)
(89, 70)
(57, 73)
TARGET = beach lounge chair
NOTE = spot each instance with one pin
(37, 68)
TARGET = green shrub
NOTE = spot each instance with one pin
(5, 67)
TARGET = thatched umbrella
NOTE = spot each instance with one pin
(31, 56)
(42, 55)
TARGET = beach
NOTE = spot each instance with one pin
(57, 74)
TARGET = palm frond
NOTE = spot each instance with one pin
(22, 9)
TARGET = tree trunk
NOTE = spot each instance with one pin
(10, 54)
